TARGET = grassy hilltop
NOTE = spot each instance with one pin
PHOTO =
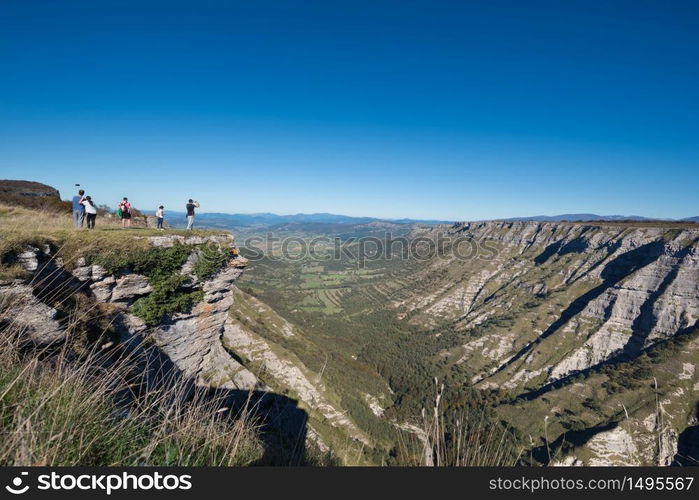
(58, 404)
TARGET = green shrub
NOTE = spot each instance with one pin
(166, 298)
(154, 262)
(162, 266)
(592, 404)
(211, 259)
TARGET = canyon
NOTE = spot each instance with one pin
(580, 339)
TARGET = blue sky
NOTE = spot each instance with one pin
(424, 109)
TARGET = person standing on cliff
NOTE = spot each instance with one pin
(125, 209)
(190, 213)
(78, 209)
(160, 216)
(90, 211)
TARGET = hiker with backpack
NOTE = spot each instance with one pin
(160, 216)
(90, 211)
(190, 213)
(78, 209)
(124, 211)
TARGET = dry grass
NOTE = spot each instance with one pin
(83, 401)
(21, 227)
(93, 410)
(465, 440)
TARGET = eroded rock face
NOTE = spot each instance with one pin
(27, 316)
(129, 287)
(596, 292)
(29, 259)
(287, 374)
(102, 288)
(541, 304)
(192, 341)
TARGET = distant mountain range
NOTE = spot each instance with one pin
(591, 217)
(222, 220)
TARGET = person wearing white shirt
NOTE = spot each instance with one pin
(90, 211)
(160, 214)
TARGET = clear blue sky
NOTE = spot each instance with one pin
(429, 109)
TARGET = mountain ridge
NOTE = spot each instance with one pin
(268, 218)
(220, 219)
(589, 217)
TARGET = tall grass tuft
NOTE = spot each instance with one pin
(460, 439)
(59, 407)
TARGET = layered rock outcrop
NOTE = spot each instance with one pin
(609, 290)
(191, 340)
(26, 315)
(535, 306)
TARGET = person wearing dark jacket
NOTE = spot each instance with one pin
(190, 213)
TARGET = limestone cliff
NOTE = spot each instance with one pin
(539, 306)
(190, 339)
(201, 343)
(586, 333)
